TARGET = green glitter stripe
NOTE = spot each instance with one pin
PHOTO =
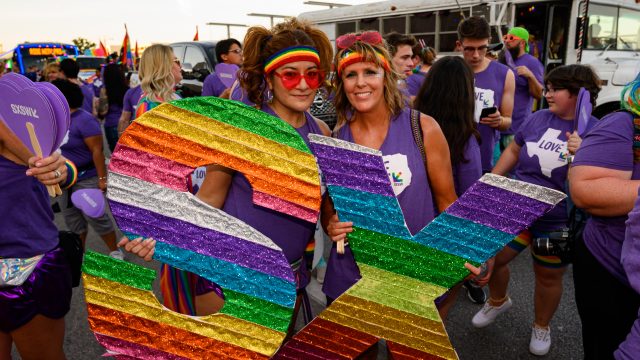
(256, 310)
(119, 271)
(408, 299)
(407, 258)
(245, 117)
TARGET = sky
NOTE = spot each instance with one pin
(165, 21)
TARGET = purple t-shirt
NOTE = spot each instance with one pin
(414, 83)
(543, 160)
(213, 86)
(131, 99)
(29, 231)
(113, 115)
(523, 100)
(403, 161)
(83, 125)
(489, 87)
(291, 234)
(467, 173)
(630, 260)
(87, 92)
(608, 145)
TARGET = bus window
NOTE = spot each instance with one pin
(345, 28)
(423, 23)
(429, 40)
(449, 19)
(397, 24)
(628, 30)
(369, 24)
(601, 28)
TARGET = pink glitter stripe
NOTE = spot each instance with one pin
(136, 351)
(284, 206)
(149, 167)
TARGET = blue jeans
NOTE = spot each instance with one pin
(111, 132)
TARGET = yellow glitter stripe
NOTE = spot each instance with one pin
(144, 304)
(413, 331)
(243, 144)
(393, 279)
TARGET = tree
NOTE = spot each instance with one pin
(83, 44)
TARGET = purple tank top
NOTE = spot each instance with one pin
(30, 231)
(289, 233)
(408, 176)
(489, 87)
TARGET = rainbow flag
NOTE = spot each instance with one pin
(125, 50)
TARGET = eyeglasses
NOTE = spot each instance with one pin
(551, 91)
(480, 49)
(177, 61)
(510, 37)
(236, 51)
(368, 37)
(291, 79)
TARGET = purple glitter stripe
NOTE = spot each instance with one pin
(498, 208)
(136, 351)
(353, 170)
(200, 240)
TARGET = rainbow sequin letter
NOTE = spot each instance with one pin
(148, 197)
(402, 274)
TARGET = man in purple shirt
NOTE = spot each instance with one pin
(528, 80)
(228, 51)
(69, 70)
(129, 106)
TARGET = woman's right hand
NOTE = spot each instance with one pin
(144, 248)
(337, 230)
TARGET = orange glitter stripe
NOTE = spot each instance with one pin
(263, 179)
(164, 337)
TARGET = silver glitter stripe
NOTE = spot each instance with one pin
(182, 206)
(329, 141)
(537, 192)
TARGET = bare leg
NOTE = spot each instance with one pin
(209, 303)
(110, 240)
(5, 346)
(448, 302)
(548, 293)
(40, 338)
(499, 282)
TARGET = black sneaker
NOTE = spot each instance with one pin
(475, 293)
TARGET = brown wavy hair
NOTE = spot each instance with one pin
(392, 95)
(260, 43)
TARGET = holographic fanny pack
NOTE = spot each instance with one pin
(14, 272)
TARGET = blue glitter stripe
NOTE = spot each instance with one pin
(227, 275)
(370, 211)
(463, 238)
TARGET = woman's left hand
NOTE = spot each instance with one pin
(50, 170)
(573, 142)
(477, 271)
(102, 183)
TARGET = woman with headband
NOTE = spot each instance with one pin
(291, 60)
(372, 112)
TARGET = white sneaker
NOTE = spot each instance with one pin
(488, 313)
(540, 341)
(117, 254)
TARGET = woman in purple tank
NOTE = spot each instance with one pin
(371, 112)
(540, 155)
(35, 277)
(293, 83)
(604, 180)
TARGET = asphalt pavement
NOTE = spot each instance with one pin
(507, 338)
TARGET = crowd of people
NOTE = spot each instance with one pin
(443, 121)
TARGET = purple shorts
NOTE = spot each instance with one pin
(47, 292)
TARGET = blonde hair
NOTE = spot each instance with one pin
(51, 67)
(157, 79)
(392, 96)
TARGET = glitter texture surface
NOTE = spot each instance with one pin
(284, 206)
(246, 118)
(543, 194)
(144, 304)
(200, 240)
(161, 336)
(149, 167)
(133, 349)
(333, 142)
(106, 267)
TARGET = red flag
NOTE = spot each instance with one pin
(136, 53)
(103, 49)
(137, 56)
(196, 38)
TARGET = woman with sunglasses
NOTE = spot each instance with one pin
(372, 112)
(540, 155)
(160, 73)
(291, 60)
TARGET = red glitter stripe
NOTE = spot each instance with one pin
(402, 352)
